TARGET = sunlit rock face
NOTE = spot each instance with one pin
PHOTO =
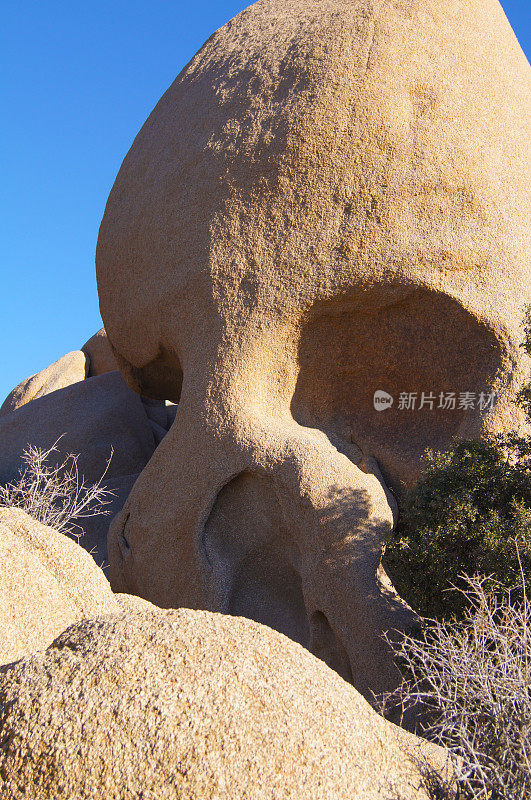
(330, 200)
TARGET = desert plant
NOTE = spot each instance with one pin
(462, 517)
(55, 495)
(472, 678)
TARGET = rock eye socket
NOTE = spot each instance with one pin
(423, 342)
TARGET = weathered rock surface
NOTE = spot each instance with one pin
(69, 369)
(99, 354)
(47, 582)
(95, 529)
(129, 602)
(331, 199)
(187, 704)
(92, 418)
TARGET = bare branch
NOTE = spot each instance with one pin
(472, 679)
(56, 495)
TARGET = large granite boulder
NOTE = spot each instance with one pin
(187, 704)
(329, 206)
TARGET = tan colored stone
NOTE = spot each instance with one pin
(47, 582)
(128, 602)
(69, 369)
(96, 528)
(99, 354)
(331, 199)
(91, 418)
(197, 706)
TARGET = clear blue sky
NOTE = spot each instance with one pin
(78, 81)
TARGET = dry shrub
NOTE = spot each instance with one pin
(56, 495)
(472, 679)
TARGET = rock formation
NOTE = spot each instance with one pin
(93, 418)
(94, 358)
(99, 354)
(69, 369)
(188, 704)
(330, 200)
(47, 582)
(312, 266)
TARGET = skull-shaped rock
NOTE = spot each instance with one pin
(330, 200)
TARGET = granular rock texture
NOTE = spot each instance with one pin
(92, 418)
(330, 200)
(99, 354)
(130, 603)
(47, 582)
(190, 705)
(71, 368)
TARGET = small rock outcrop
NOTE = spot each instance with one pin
(190, 704)
(99, 354)
(69, 369)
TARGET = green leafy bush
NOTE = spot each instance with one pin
(465, 514)
(463, 517)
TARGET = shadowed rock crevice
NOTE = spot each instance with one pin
(326, 646)
(254, 558)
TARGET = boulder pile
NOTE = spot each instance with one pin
(328, 206)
